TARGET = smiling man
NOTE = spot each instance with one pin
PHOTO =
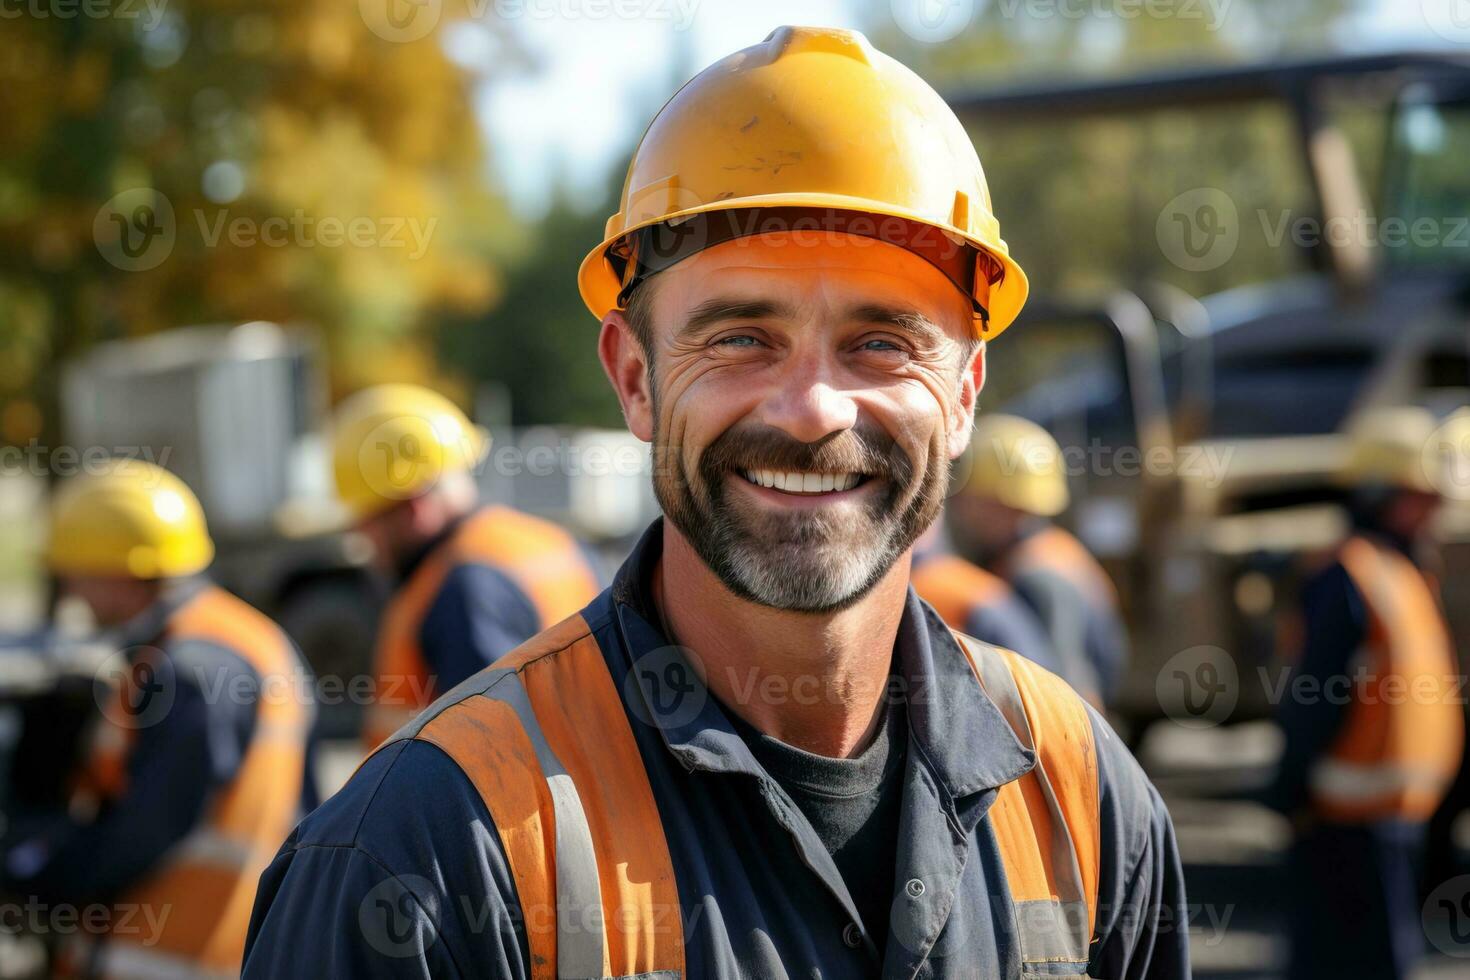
(759, 753)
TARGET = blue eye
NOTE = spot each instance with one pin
(738, 340)
(883, 345)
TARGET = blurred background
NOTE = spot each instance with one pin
(1243, 221)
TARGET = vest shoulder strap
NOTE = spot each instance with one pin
(1059, 551)
(1047, 822)
(592, 869)
(540, 557)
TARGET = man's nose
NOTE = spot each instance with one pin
(807, 404)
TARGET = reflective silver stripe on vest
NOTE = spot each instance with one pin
(579, 920)
(1352, 783)
(1057, 929)
(118, 960)
(578, 895)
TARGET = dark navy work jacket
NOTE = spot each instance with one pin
(403, 874)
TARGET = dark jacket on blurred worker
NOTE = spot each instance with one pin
(472, 583)
(1074, 598)
(586, 809)
(981, 604)
(1002, 519)
(196, 767)
(1374, 734)
(491, 582)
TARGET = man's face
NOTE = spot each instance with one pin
(1411, 512)
(805, 399)
(113, 599)
(982, 528)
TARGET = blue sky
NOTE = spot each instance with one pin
(599, 76)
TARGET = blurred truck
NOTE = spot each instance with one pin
(1204, 432)
(239, 412)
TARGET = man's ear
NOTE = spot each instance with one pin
(624, 360)
(962, 420)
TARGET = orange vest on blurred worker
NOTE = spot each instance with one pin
(1400, 743)
(206, 884)
(953, 587)
(1057, 551)
(543, 560)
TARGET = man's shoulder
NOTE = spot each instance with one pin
(391, 804)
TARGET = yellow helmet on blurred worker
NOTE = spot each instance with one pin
(811, 118)
(1018, 463)
(395, 441)
(131, 519)
(1404, 446)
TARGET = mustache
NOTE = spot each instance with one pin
(865, 449)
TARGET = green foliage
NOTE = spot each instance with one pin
(540, 341)
(262, 125)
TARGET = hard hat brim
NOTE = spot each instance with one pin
(599, 286)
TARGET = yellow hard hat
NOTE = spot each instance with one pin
(395, 441)
(1018, 463)
(1399, 446)
(811, 118)
(129, 518)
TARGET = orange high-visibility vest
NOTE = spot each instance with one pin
(543, 560)
(954, 587)
(204, 888)
(544, 737)
(1400, 743)
(1056, 550)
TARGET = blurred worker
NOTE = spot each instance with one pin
(977, 602)
(473, 582)
(197, 768)
(1001, 519)
(759, 754)
(1372, 717)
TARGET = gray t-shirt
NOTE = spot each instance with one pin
(852, 804)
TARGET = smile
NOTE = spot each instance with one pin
(791, 481)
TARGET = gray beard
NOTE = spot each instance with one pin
(799, 561)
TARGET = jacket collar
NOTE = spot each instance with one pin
(955, 729)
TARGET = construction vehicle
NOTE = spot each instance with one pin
(1206, 431)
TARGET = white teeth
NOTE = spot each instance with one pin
(793, 482)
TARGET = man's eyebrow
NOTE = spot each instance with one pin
(918, 326)
(721, 309)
